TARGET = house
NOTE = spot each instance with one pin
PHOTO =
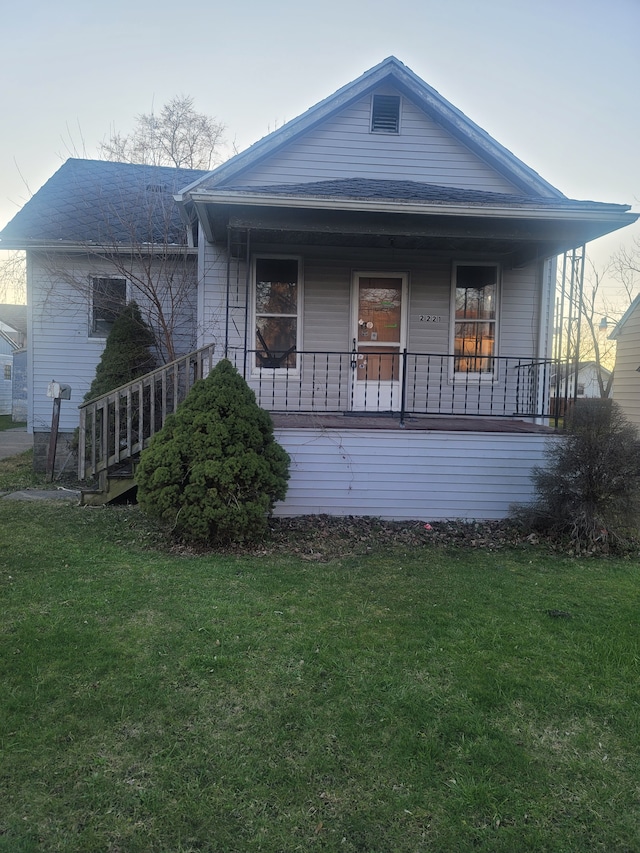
(7, 348)
(587, 381)
(380, 270)
(13, 322)
(626, 334)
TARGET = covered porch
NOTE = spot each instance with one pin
(409, 387)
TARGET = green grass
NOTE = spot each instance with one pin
(406, 700)
(7, 423)
(17, 472)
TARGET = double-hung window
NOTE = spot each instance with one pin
(108, 298)
(277, 312)
(475, 298)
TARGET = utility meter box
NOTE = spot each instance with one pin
(59, 391)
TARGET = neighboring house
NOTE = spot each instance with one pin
(13, 322)
(380, 270)
(627, 370)
(583, 383)
(7, 349)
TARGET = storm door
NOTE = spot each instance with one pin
(378, 340)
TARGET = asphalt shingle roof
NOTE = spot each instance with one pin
(103, 203)
(366, 189)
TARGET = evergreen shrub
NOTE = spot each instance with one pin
(127, 353)
(214, 471)
(589, 489)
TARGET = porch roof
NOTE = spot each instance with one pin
(407, 215)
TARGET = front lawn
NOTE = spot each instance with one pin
(7, 423)
(403, 698)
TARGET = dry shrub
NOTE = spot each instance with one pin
(589, 490)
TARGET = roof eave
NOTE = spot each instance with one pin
(602, 213)
(615, 334)
(88, 247)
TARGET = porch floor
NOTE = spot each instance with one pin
(439, 423)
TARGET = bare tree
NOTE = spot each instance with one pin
(178, 136)
(13, 277)
(595, 308)
(606, 294)
(625, 265)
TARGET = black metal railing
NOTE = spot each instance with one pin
(118, 425)
(404, 383)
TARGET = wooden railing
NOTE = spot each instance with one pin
(120, 424)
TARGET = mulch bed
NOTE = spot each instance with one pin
(321, 538)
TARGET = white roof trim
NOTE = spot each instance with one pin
(234, 197)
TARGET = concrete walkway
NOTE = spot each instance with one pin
(14, 441)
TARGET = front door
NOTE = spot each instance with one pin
(378, 340)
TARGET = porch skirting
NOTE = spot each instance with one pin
(405, 475)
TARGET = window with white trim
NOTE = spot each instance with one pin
(7, 371)
(276, 312)
(108, 298)
(475, 296)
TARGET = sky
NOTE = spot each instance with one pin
(557, 82)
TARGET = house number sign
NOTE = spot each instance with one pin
(430, 318)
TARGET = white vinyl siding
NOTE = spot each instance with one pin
(344, 147)
(626, 387)
(6, 386)
(327, 282)
(405, 475)
(60, 348)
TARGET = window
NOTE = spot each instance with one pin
(476, 299)
(277, 309)
(7, 371)
(385, 114)
(108, 298)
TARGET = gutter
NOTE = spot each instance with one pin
(602, 212)
(94, 248)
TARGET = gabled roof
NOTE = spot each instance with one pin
(100, 203)
(615, 334)
(393, 72)
(14, 316)
(12, 344)
(569, 370)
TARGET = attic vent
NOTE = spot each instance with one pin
(385, 114)
(156, 188)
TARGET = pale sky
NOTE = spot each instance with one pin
(555, 81)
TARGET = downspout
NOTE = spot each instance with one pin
(228, 297)
(545, 329)
(580, 259)
(246, 302)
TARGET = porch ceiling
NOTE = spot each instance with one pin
(514, 229)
